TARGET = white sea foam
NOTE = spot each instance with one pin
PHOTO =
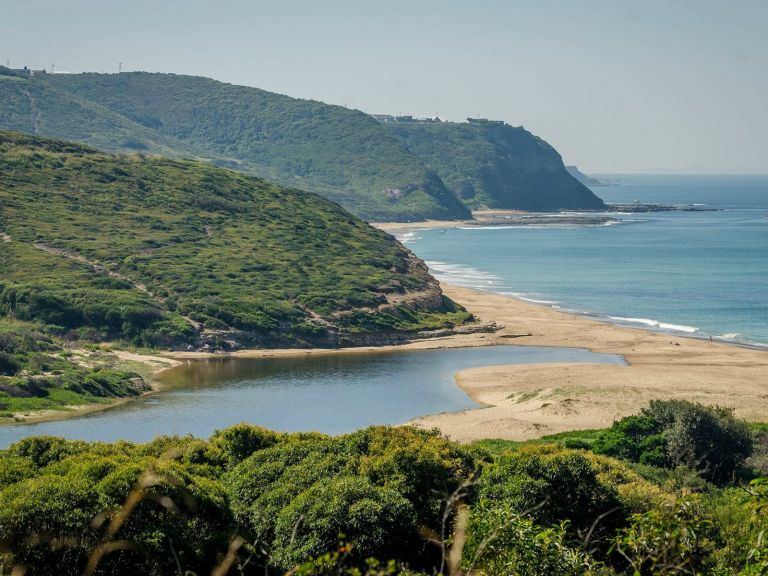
(731, 335)
(406, 237)
(657, 324)
(527, 298)
(463, 275)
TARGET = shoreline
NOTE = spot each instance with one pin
(499, 218)
(528, 401)
(154, 364)
(477, 215)
(520, 402)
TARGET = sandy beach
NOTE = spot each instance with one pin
(498, 218)
(530, 401)
(480, 217)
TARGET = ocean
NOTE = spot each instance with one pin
(693, 273)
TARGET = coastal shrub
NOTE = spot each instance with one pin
(48, 376)
(268, 480)
(240, 441)
(500, 541)
(421, 465)
(45, 450)
(54, 522)
(36, 513)
(674, 538)
(551, 484)
(9, 365)
(674, 433)
(634, 438)
(291, 499)
(14, 469)
(377, 522)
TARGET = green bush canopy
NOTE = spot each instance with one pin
(253, 501)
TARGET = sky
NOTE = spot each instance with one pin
(616, 86)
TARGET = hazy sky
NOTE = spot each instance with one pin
(615, 86)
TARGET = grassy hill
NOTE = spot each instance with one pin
(342, 154)
(168, 252)
(493, 165)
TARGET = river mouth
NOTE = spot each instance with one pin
(331, 393)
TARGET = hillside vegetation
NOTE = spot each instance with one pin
(493, 165)
(38, 373)
(162, 252)
(342, 154)
(252, 501)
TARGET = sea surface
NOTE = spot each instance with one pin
(694, 273)
(333, 393)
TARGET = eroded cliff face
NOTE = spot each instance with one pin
(493, 165)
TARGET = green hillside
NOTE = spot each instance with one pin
(493, 165)
(166, 252)
(342, 154)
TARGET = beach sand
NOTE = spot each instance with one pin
(528, 401)
(481, 217)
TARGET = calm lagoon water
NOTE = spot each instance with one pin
(696, 273)
(331, 393)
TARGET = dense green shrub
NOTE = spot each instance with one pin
(379, 522)
(502, 542)
(240, 441)
(673, 433)
(422, 465)
(179, 503)
(675, 538)
(551, 484)
(634, 438)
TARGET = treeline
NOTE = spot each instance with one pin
(253, 501)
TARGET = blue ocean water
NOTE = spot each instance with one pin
(698, 273)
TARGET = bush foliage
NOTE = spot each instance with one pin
(672, 433)
(256, 501)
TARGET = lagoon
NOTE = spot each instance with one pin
(331, 393)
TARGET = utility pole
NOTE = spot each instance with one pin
(53, 68)
(119, 67)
